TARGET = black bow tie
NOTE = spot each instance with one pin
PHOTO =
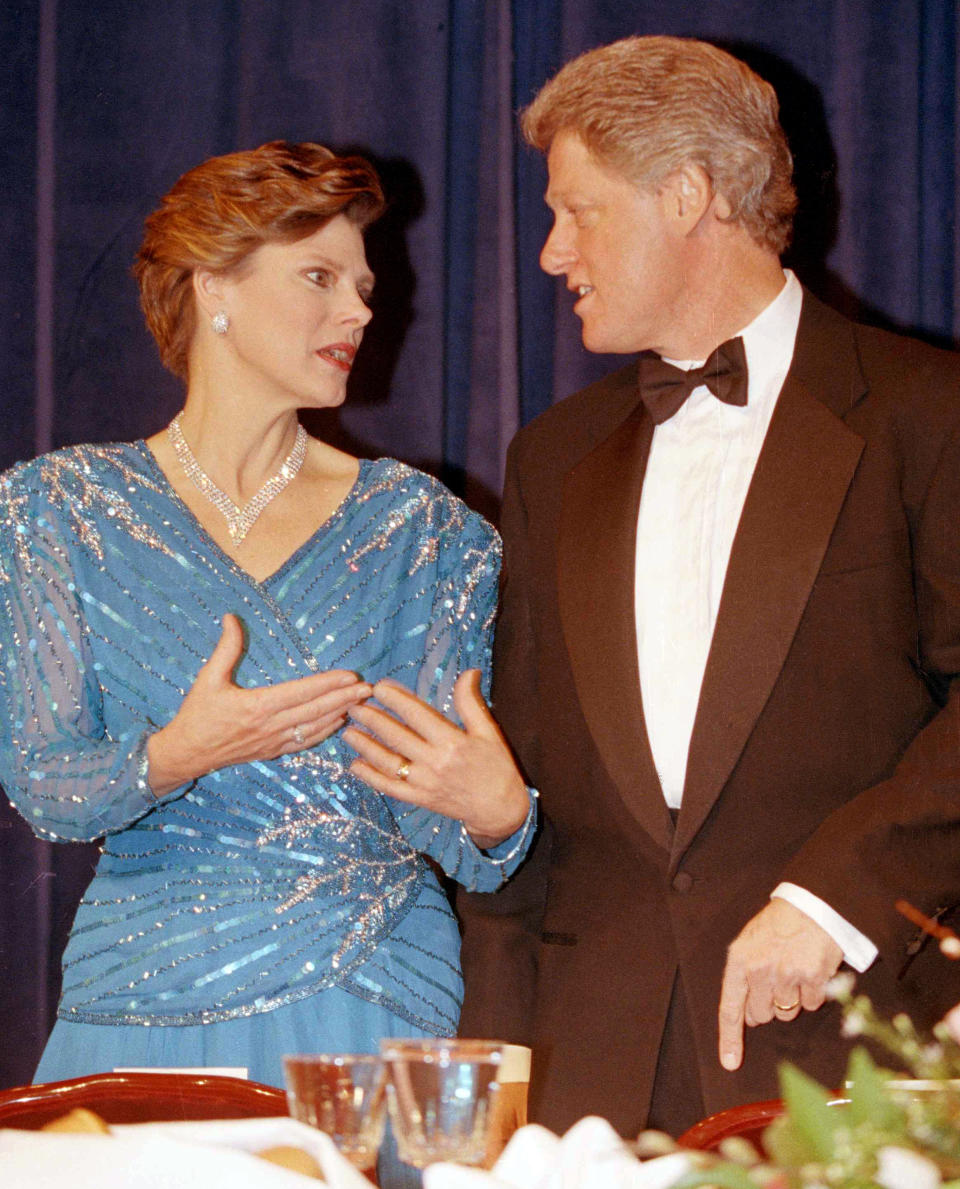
(664, 387)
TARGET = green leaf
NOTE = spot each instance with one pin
(870, 1101)
(812, 1120)
(726, 1176)
(784, 1147)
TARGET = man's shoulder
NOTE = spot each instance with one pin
(890, 355)
(912, 387)
(575, 425)
(892, 365)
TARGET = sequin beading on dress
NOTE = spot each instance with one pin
(258, 884)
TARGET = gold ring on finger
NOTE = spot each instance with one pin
(403, 771)
(786, 1006)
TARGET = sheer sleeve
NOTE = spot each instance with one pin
(459, 637)
(60, 768)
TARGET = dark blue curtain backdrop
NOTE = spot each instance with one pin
(104, 104)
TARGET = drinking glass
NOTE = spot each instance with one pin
(441, 1096)
(343, 1095)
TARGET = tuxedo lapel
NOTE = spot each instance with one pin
(800, 482)
(596, 549)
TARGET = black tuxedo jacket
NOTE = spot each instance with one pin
(826, 747)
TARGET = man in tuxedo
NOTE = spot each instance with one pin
(730, 631)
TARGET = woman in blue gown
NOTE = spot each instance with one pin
(189, 623)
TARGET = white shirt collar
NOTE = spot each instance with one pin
(768, 342)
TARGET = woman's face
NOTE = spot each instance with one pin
(297, 314)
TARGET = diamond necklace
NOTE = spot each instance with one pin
(239, 520)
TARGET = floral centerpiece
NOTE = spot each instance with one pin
(880, 1137)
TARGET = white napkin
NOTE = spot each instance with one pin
(192, 1155)
(590, 1156)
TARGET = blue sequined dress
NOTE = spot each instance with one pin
(270, 907)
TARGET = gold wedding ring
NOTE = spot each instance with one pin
(404, 770)
(298, 736)
(786, 1006)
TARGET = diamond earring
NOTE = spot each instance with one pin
(220, 322)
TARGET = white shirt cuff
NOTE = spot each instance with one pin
(858, 950)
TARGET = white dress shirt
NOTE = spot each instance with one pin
(698, 472)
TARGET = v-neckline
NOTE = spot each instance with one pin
(270, 579)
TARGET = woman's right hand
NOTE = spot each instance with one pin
(219, 723)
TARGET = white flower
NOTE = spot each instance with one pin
(841, 985)
(898, 1168)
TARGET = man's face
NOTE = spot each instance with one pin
(618, 249)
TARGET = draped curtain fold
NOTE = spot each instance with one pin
(103, 105)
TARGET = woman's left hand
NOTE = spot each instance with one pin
(416, 755)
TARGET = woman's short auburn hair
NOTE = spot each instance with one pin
(226, 208)
(644, 106)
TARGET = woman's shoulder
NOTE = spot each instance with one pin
(423, 500)
(61, 473)
(68, 493)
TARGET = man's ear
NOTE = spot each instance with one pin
(208, 290)
(689, 194)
